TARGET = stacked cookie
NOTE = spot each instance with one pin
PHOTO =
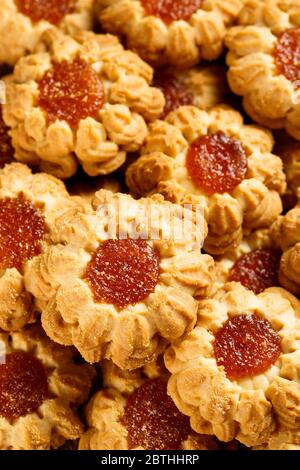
(150, 301)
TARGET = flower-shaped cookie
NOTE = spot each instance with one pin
(81, 100)
(40, 388)
(118, 282)
(22, 22)
(254, 263)
(204, 87)
(286, 234)
(237, 373)
(263, 62)
(29, 205)
(134, 411)
(215, 159)
(176, 32)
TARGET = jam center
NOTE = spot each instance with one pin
(246, 346)
(48, 10)
(256, 270)
(22, 230)
(216, 163)
(71, 92)
(23, 385)
(175, 91)
(123, 272)
(171, 10)
(6, 149)
(287, 55)
(152, 420)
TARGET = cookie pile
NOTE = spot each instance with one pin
(150, 224)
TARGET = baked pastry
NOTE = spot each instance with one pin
(6, 149)
(85, 186)
(176, 32)
(236, 374)
(118, 282)
(134, 411)
(213, 158)
(29, 205)
(254, 263)
(263, 62)
(204, 87)
(98, 122)
(288, 149)
(283, 439)
(41, 388)
(286, 235)
(22, 23)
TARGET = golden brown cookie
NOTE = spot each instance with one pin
(82, 100)
(6, 148)
(134, 411)
(213, 158)
(22, 23)
(29, 205)
(254, 263)
(40, 389)
(204, 87)
(120, 281)
(180, 33)
(286, 235)
(288, 149)
(282, 439)
(263, 62)
(236, 374)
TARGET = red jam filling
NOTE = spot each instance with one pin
(123, 272)
(257, 270)
(23, 385)
(287, 54)
(216, 163)
(246, 346)
(152, 420)
(49, 10)
(71, 92)
(171, 10)
(175, 91)
(22, 230)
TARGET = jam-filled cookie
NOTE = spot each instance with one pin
(83, 100)
(203, 87)
(215, 159)
(29, 205)
(254, 263)
(237, 373)
(286, 234)
(120, 281)
(22, 22)
(134, 411)
(176, 32)
(41, 387)
(264, 64)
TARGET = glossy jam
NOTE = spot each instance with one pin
(49, 10)
(216, 163)
(6, 149)
(171, 10)
(23, 385)
(123, 272)
(246, 346)
(22, 229)
(287, 55)
(175, 92)
(71, 92)
(152, 420)
(256, 270)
